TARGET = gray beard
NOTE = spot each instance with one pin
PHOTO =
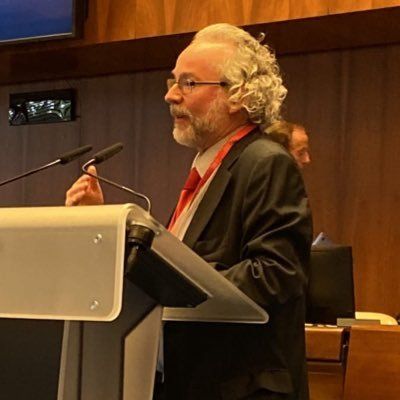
(199, 131)
(188, 137)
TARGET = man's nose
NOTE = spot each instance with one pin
(306, 158)
(173, 95)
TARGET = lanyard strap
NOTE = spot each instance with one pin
(241, 133)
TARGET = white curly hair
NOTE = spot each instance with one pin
(252, 72)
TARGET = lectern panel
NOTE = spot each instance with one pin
(225, 303)
(62, 263)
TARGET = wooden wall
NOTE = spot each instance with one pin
(117, 20)
(160, 17)
(122, 36)
(347, 99)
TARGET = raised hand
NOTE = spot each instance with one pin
(85, 191)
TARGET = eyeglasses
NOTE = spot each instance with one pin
(186, 85)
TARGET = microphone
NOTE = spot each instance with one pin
(63, 159)
(74, 154)
(104, 155)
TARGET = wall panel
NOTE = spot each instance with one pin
(340, 6)
(123, 36)
(161, 17)
(348, 100)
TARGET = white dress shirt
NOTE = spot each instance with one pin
(201, 162)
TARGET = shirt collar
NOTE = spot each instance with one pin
(203, 160)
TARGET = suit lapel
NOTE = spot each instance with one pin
(207, 206)
(214, 193)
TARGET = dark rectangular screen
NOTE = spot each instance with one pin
(23, 20)
(330, 288)
(42, 107)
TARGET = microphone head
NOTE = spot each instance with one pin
(107, 153)
(74, 154)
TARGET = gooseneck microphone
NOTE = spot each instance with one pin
(63, 159)
(104, 155)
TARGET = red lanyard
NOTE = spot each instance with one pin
(241, 133)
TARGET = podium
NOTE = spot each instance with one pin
(83, 293)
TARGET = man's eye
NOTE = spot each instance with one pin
(189, 83)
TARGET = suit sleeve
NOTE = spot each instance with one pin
(276, 233)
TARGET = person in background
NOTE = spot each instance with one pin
(294, 138)
(245, 211)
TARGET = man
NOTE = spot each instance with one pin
(245, 211)
(299, 147)
(294, 138)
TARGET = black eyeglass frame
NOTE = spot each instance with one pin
(186, 85)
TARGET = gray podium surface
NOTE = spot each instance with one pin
(67, 264)
(226, 303)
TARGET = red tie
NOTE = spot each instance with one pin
(186, 195)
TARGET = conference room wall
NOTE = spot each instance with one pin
(348, 100)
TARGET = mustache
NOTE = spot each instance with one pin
(177, 111)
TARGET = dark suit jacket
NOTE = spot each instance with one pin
(254, 226)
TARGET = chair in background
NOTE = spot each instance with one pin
(330, 292)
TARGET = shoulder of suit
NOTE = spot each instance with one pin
(263, 147)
